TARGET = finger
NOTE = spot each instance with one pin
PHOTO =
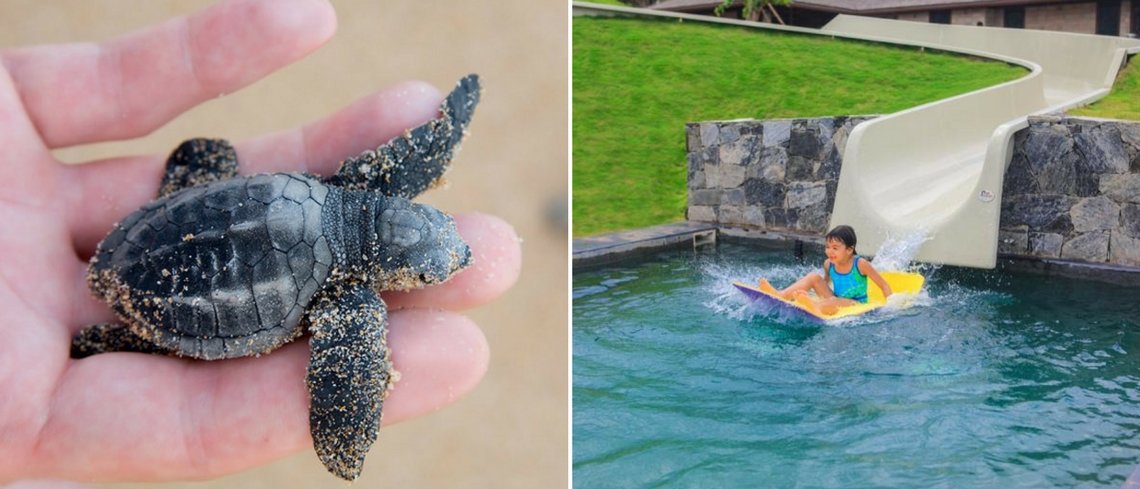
(139, 417)
(498, 259)
(106, 191)
(131, 85)
(45, 484)
(27, 182)
(320, 146)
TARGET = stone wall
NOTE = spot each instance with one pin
(773, 174)
(1072, 190)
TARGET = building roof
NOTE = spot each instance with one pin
(864, 7)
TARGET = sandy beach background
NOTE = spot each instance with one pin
(512, 430)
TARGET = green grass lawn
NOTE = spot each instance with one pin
(637, 82)
(1123, 102)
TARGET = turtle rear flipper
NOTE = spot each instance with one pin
(349, 375)
(196, 162)
(410, 164)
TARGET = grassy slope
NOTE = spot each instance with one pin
(1123, 102)
(637, 82)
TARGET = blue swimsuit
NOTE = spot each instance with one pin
(851, 285)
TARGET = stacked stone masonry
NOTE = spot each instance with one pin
(775, 174)
(1072, 189)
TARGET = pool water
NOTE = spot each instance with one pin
(989, 379)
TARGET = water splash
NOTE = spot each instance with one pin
(725, 299)
(896, 253)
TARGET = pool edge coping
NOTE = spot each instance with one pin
(618, 246)
(621, 245)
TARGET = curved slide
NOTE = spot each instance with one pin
(938, 168)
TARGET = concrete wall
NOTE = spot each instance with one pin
(916, 16)
(995, 17)
(1079, 17)
(1126, 17)
(1070, 17)
(1072, 189)
(1073, 17)
(968, 16)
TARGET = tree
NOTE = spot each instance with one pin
(754, 9)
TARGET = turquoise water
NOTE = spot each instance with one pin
(990, 379)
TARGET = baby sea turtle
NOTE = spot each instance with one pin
(225, 266)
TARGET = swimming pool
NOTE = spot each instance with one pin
(991, 379)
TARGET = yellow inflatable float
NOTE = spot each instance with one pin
(901, 283)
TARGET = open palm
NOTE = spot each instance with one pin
(126, 416)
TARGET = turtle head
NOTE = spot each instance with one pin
(417, 245)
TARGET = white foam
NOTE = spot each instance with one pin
(730, 302)
(897, 252)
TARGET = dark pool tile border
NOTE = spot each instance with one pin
(1097, 272)
(614, 247)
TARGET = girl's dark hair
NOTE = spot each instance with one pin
(844, 234)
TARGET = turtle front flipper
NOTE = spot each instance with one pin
(198, 161)
(106, 338)
(410, 164)
(349, 375)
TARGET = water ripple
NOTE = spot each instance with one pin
(988, 380)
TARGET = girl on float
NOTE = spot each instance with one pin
(843, 281)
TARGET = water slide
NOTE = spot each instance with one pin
(937, 169)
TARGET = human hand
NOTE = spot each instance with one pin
(897, 301)
(125, 416)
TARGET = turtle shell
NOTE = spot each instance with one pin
(219, 270)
